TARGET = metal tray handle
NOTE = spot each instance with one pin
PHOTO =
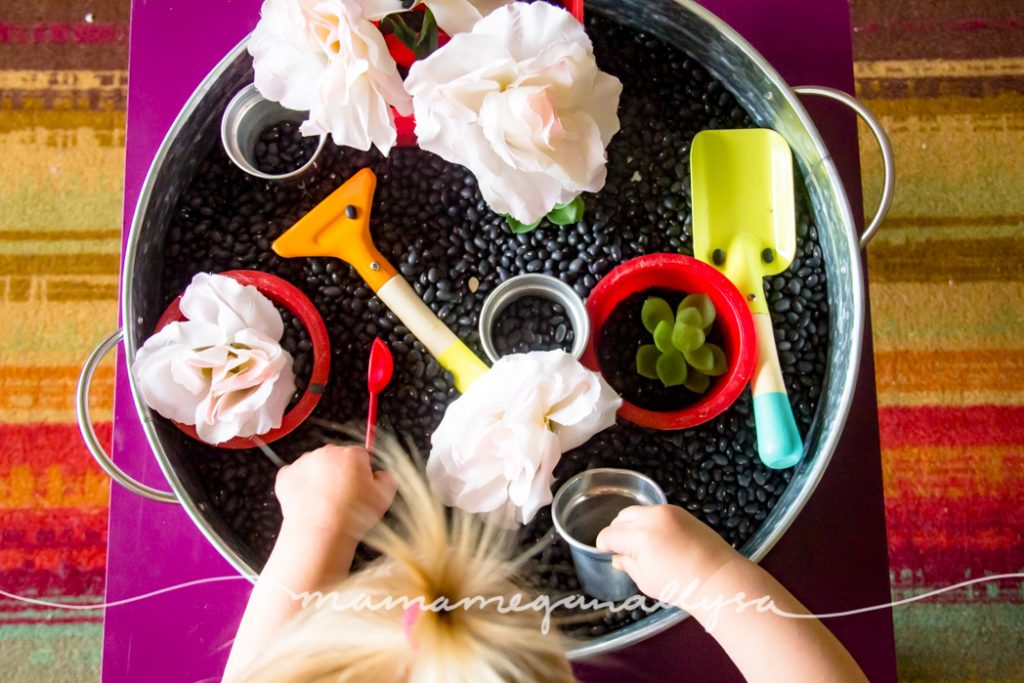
(92, 442)
(884, 146)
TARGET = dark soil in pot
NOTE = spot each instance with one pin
(621, 335)
(429, 214)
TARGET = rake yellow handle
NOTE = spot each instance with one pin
(442, 344)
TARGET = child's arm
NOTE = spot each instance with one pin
(329, 500)
(657, 545)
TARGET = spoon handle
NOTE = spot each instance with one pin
(371, 421)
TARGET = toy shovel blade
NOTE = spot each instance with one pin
(744, 224)
(743, 205)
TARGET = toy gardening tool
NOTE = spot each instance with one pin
(744, 225)
(339, 226)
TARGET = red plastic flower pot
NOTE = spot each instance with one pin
(287, 295)
(733, 319)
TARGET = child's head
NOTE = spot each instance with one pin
(428, 555)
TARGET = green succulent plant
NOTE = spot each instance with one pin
(680, 353)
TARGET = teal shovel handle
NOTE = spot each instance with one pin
(778, 441)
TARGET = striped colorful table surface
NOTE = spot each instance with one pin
(947, 297)
(62, 92)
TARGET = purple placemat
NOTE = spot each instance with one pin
(834, 557)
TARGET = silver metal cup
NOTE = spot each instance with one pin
(539, 285)
(587, 503)
(247, 115)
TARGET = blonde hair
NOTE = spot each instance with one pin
(427, 554)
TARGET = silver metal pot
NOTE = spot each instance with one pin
(769, 101)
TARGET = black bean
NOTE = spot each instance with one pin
(290, 151)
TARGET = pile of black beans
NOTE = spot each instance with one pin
(281, 148)
(430, 220)
(532, 323)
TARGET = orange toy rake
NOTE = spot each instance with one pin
(339, 226)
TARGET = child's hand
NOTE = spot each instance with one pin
(333, 490)
(659, 544)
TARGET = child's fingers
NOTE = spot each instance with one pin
(358, 453)
(327, 450)
(334, 450)
(630, 514)
(626, 564)
(387, 487)
(620, 538)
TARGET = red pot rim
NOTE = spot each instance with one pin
(679, 272)
(288, 295)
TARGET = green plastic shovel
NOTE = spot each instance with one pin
(744, 224)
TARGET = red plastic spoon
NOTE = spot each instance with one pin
(382, 365)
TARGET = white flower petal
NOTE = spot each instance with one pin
(231, 306)
(459, 16)
(166, 386)
(286, 60)
(328, 58)
(533, 123)
(498, 444)
(192, 333)
(217, 431)
(225, 379)
(528, 28)
(154, 376)
(606, 89)
(540, 493)
(375, 10)
(484, 496)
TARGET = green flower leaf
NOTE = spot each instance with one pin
(654, 311)
(564, 214)
(687, 337)
(697, 381)
(396, 25)
(517, 227)
(671, 368)
(647, 361)
(663, 337)
(426, 41)
(702, 304)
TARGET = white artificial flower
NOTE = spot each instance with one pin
(327, 57)
(519, 101)
(497, 445)
(223, 369)
(460, 16)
